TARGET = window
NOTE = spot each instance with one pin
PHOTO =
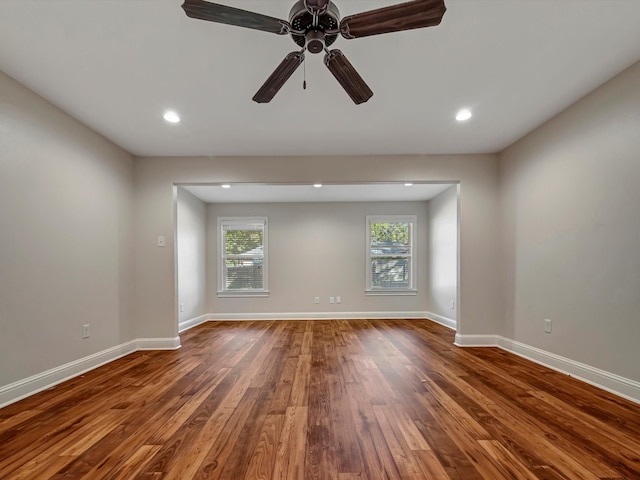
(391, 258)
(242, 261)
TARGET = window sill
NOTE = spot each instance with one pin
(406, 291)
(231, 294)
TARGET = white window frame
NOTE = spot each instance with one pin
(240, 221)
(412, 288)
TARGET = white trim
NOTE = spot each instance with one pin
(242, 293)
(442, 320)
(243, 221)
(475, 340)
(621, 386)
(26, 387)
(315, 316)
(158, 343)
(375, 292)
(192, 322)
(412, 220)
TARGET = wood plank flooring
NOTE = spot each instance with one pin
(303, 400)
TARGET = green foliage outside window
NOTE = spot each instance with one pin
(390, 234)
(238, 242)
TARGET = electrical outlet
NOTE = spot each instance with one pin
(547, 325)
(316, 300)
(338, 300)
(85, 331)
(332, 300)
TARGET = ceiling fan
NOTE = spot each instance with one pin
(314, 25)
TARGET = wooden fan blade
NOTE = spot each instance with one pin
(348, 77)
(214, 12)
(279, 77)
(394, 18)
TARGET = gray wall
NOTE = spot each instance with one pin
(318, 250)
(570, 200)
(549, 229)
(480, 309)
(443, 253)
(191, 255)
(65, 245)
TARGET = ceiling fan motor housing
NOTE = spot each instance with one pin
(315, 41)
(314, 26)
(318, 6)
(314, 38)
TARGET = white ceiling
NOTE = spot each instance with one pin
(116, 65)
(263, 193)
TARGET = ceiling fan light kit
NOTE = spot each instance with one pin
(314, 25)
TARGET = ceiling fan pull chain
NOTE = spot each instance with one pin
(304, 70)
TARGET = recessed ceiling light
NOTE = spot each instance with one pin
(317, 185)
(408, 184)
(226, 185)
(171, 116)
(464, 114)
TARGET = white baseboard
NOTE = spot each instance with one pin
(314, 315)
(24, 388)
(621, 386)
(610, 382)
(476, 340)
(442, 320)
(193, 322)
(158, 343)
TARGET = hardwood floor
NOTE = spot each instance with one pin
(306, 400)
